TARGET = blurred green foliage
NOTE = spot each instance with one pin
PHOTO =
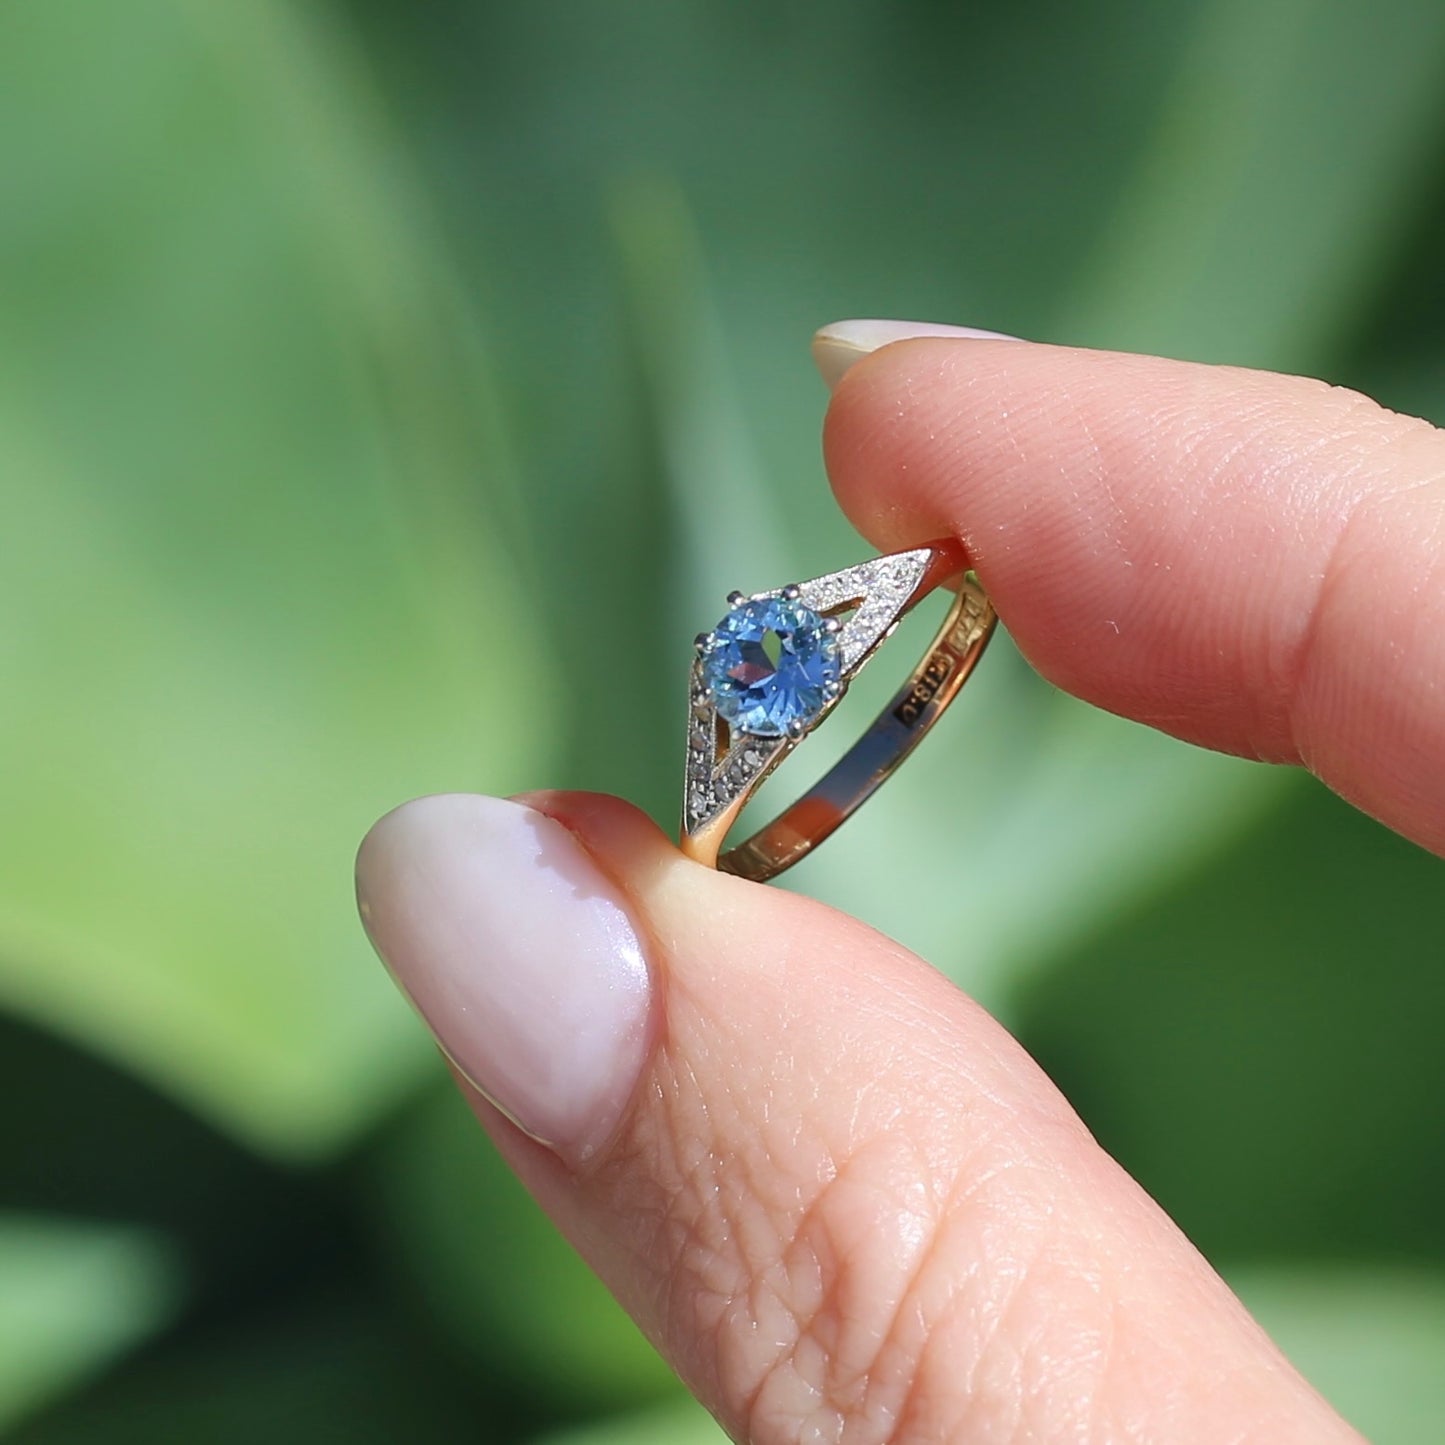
(348, 354)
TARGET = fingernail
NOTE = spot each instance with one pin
(843, 343)
(519, 954)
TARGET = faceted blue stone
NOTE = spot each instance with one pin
(770, 663)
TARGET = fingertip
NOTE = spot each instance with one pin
(884, 404)
(522, 955)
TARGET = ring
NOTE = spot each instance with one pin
(776, 666)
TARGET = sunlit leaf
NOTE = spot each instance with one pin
(252, 588)
(1370, 1339)
(723, 522)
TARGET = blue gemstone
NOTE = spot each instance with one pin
(769, 664)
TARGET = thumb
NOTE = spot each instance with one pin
(840, 1199)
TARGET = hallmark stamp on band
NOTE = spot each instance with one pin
(931, 676)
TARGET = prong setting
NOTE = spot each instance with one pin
(792, 592)
(766, 662)
(700, 642)
(832, 625)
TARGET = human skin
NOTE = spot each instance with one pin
(842, 1200)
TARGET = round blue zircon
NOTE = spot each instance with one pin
(771, 666)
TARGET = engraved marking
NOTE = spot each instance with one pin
(969, 624)
(931, 676)
(967, 628)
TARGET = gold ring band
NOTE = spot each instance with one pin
(777, 665)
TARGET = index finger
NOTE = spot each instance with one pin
(1249, 561)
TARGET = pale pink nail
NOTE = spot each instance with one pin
(519, 954)
(842, 343)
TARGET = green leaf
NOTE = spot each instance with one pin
(1281, 176)
(253, 588)
(685, 1423)
(73, 1298)
(1370, 1338)
(82, 1139)
(338, 1365)
(493, 1271)
(1278, 1009)
(714, 491)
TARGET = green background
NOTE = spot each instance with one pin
(360, 365)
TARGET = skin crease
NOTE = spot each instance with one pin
(842, 1201)
(848, 1207)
